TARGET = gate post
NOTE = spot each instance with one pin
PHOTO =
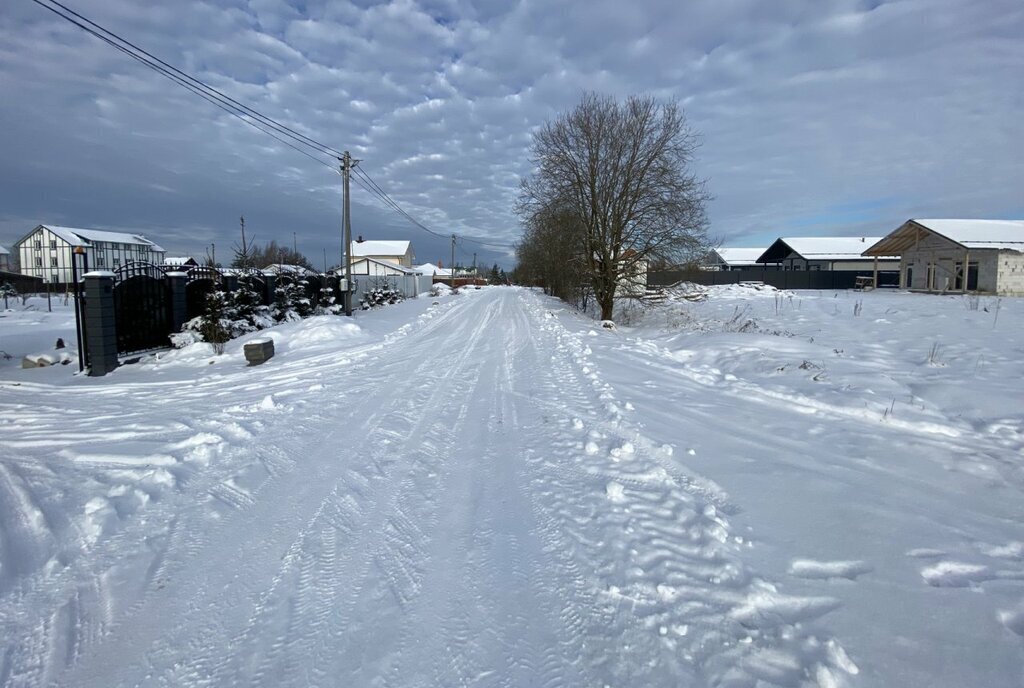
(100, 324)
(179, 305)
(269, 295)
(230, 283)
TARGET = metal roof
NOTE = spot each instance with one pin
(85, 237)
(739, 256)
(819, 248)
(1002, 235)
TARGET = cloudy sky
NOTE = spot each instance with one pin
(818, 117)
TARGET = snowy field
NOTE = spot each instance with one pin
(737, 487)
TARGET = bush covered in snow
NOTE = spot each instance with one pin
(291, 302)
(226, 315)
(380, 297)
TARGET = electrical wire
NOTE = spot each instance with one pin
(184, 79)
(280, 132)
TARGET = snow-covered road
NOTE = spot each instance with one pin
(463, 502)
(757, 490)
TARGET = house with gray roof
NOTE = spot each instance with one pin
(825, 253)
(933, 255)
(46, 252)
(735, 258)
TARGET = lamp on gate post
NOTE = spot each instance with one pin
(79, 319)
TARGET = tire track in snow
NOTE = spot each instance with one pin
(57, 587)
(658, 556)
(205, 665)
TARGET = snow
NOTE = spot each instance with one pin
(1006, 234)
(361, 249)
(754, 488)
(830, 248)
(739, 256)
(83, 237)
(431, 269)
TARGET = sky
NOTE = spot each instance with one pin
(816, 117)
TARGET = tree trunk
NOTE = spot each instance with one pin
(607, 304)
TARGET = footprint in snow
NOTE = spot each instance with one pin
(955, 574)
(810, 568)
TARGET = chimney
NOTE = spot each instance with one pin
(359, 239)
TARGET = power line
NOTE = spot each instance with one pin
(376, 189)
(243, 112)
(267, 125)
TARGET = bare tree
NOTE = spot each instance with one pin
(550, 254)
(622, 172)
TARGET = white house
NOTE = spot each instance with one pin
(398, 252)
(826, 253)
(5, 259)
(46, 251)
(371, 273)
(933, 254)
(734, 258)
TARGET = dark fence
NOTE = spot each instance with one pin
(24, 284)
(201, 281)
(780, 279)
(142, 307)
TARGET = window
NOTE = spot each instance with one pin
(117, 261)
(53, 243)
(38, 243)
(54, 277)
(39, 262)
(53, 262)
(101, 261)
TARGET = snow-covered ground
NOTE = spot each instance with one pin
(757, 488)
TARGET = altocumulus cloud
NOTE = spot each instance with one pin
(830, 117)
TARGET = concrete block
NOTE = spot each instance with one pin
(258, 351)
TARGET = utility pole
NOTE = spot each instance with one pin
(474, 265)
(295, 247)
(451, 267)
(346, 169)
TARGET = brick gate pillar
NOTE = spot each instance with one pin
(179, 306)
(100, 324)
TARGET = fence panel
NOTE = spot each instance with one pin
(142, 308)
(780, 279)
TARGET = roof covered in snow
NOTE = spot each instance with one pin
(286, 269)
(361, 249)
(819, 248)
(179, 261)
(431, 269)
(1003, 235)
(86, 237)
(3, 251)
(739, 256)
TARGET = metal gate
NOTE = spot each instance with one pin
(201, 281)
(142, 306)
